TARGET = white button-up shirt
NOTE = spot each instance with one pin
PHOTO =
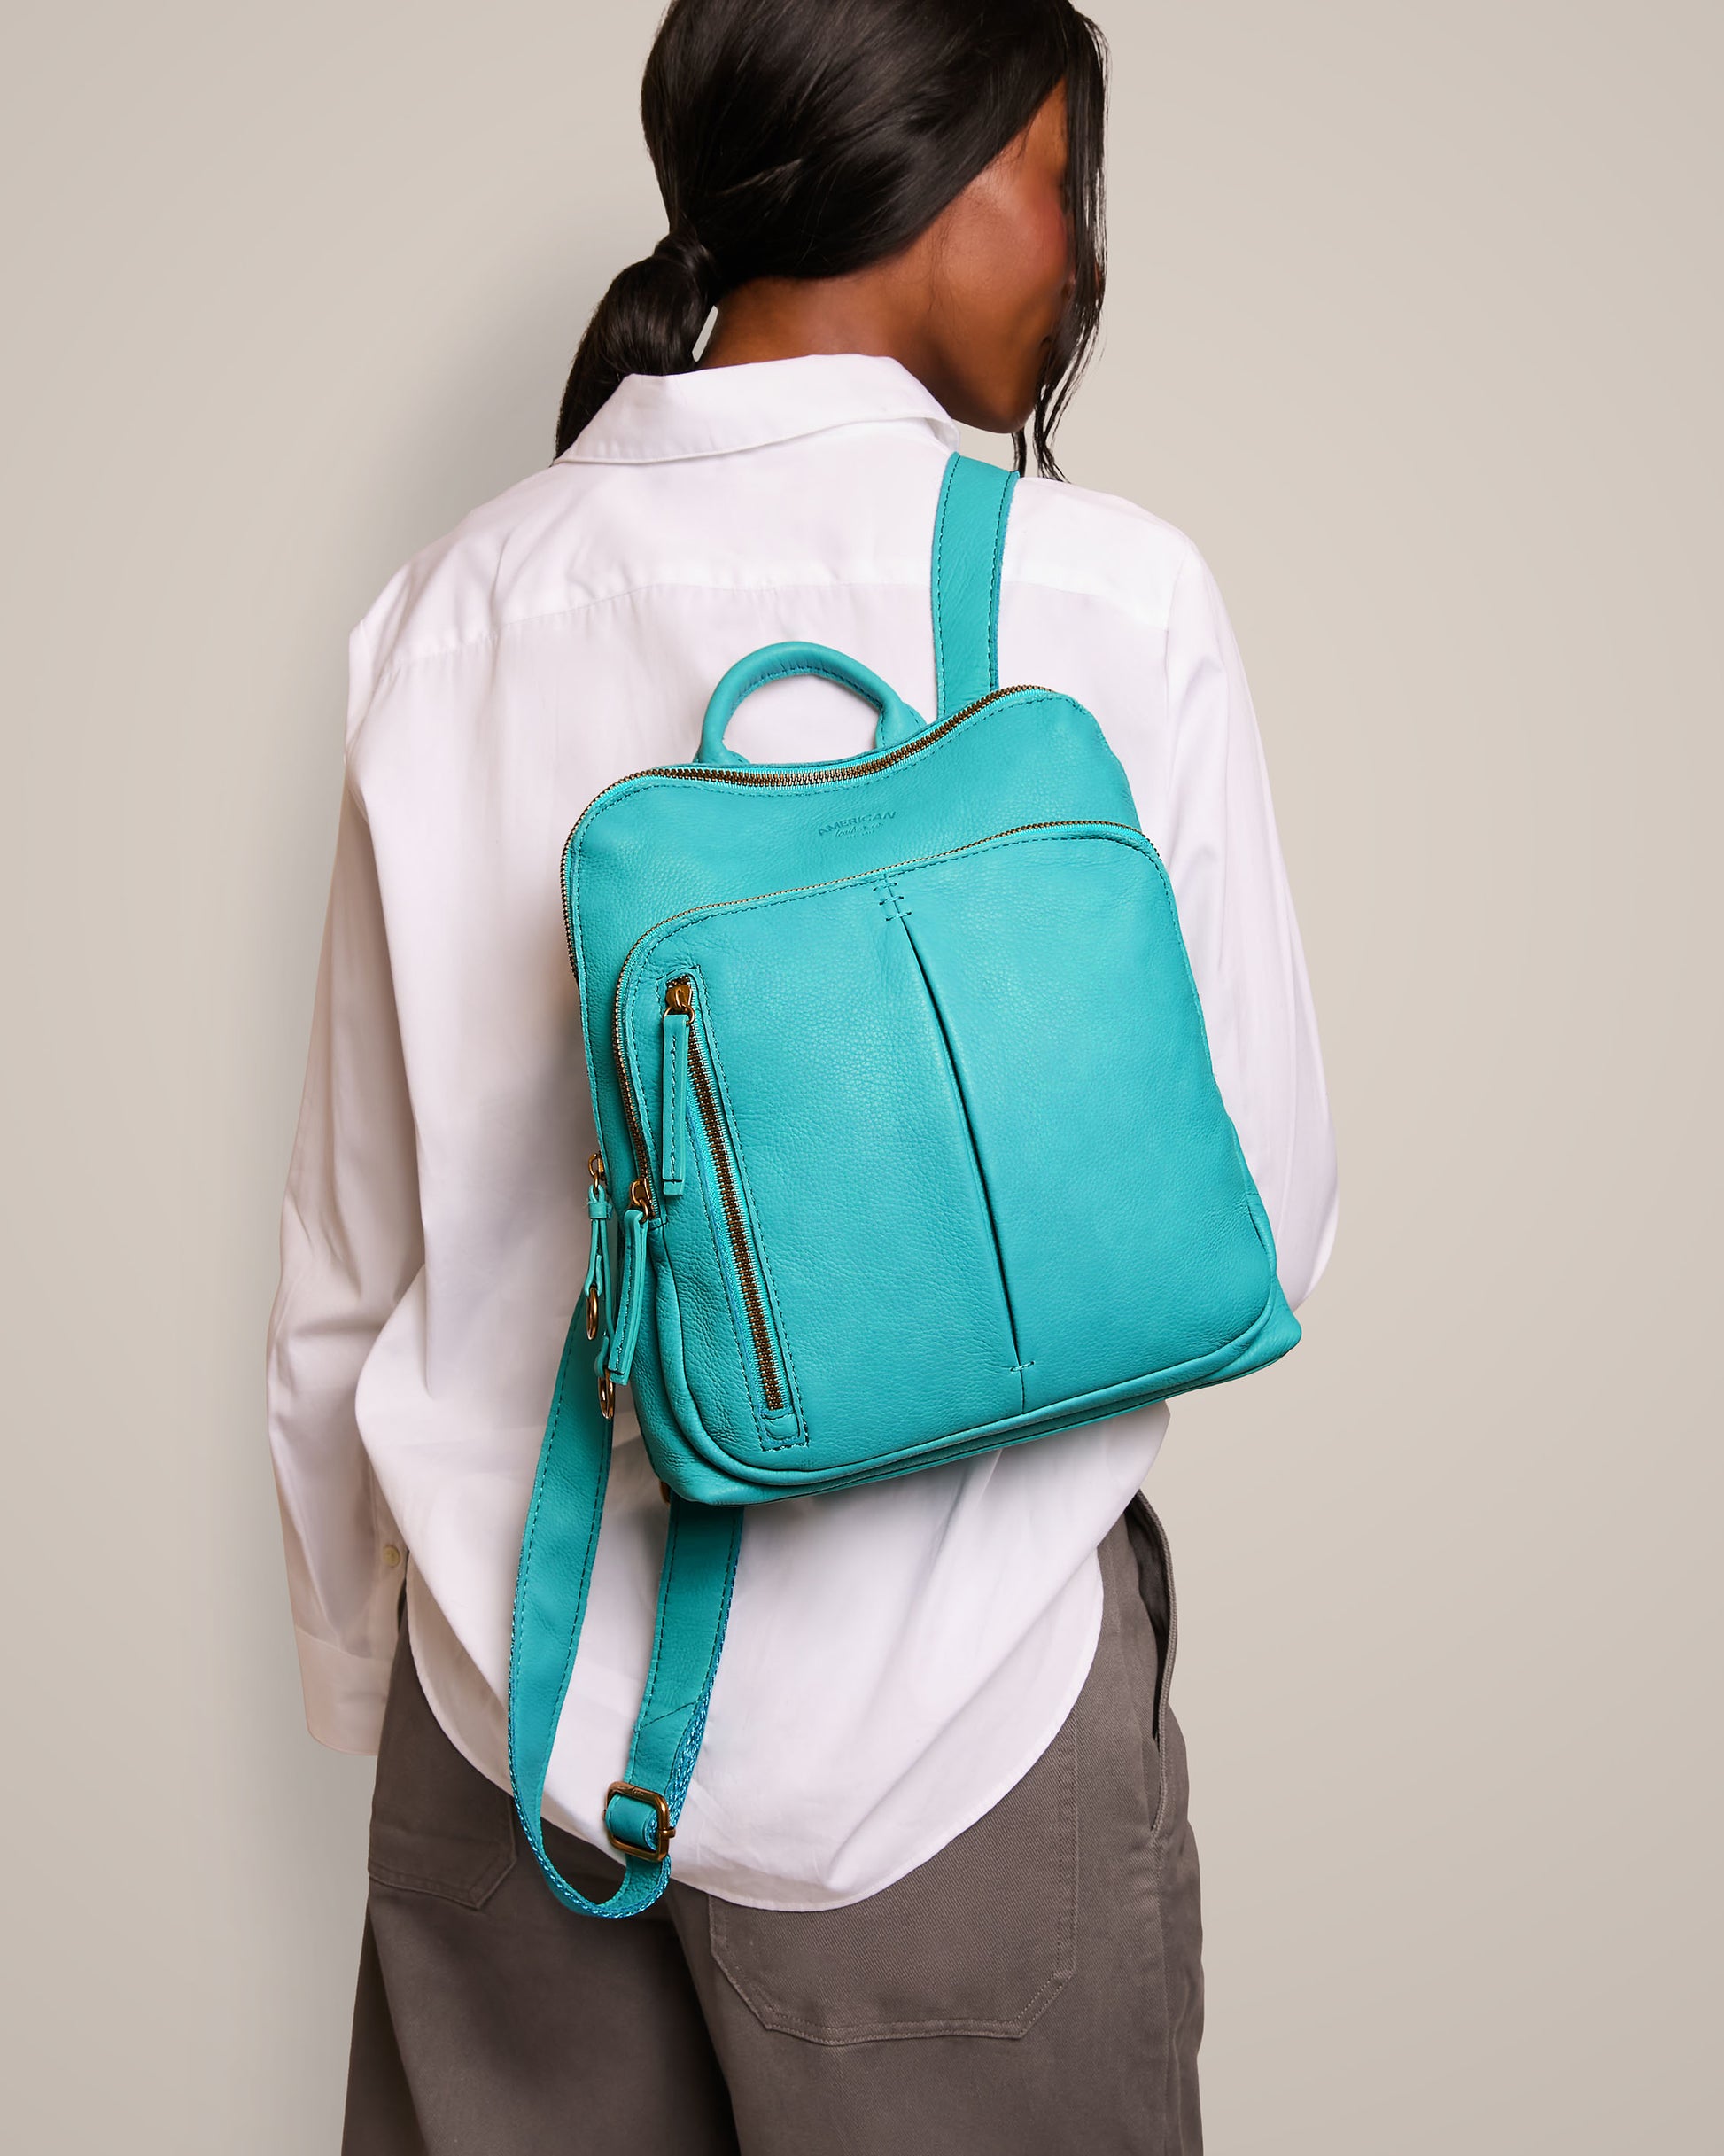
(898, 1656)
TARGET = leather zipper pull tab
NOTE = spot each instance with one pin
(679, 1006)
(633, 1296)
(596, 1287)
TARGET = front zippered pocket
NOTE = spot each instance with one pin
(795, 1108)
(688, 1085)
(949, 1081)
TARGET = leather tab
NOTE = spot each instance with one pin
(674, 1147)
(595, 1289)
(634, 1297)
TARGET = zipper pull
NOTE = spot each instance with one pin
(596, 1287)
(679, 1006)
(621, 1358)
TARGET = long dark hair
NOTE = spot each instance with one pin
(809, 138)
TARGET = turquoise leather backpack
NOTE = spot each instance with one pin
(910, 1144)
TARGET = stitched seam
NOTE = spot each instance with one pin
(967, 1124)
(670, 1138)
(1057, 1416)
(794, 670)
(879, 2032)
(724, 1267)
(571, 875)
(1154, 1800)
(1134, 842)
(940, 700)
(671, 1535)
(469, 1896)
(1005, 494)
(533, 1524)
(1164, 1688)
(1166, 681)
(718, 1643)
(447, 653)
(642, 782)
(535, 1824)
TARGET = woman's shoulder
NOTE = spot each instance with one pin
(547, 545)
(1100, 545)
(461, 590)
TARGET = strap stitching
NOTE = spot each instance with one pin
(1007, 484)
(797, 669)
(671, 1533)
(718, 1645)
(789, 667)
(940, 700)
(1007, 491)
(1134, 842)
(535, 1825)
(539, 1482)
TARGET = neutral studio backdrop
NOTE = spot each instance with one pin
(1415, 326)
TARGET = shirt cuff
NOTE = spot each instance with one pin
(344, 1694)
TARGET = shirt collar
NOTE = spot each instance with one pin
(653, 418)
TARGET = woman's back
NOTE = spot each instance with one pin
(898, 1656)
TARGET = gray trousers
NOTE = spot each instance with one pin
(1036, 1987)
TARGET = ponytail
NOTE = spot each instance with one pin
(649, 322)
(795, 138)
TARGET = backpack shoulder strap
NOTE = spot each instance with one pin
(969, 546)
(701, 1542)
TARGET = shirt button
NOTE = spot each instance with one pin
(392, 1556)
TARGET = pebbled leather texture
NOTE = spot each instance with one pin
(982, 1173)
(980, 1164)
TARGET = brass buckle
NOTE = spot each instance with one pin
(661, 1812)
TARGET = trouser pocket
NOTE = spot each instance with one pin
(437, 1826)
(978, 1941)
(1148, 1543)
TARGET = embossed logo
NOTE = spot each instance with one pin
(846, 824)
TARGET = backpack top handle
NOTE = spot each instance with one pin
(969, 552)
(899, 723)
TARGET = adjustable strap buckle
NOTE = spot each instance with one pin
(661, 1812)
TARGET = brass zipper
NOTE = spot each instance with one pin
(679, 996)
(815, 775)
(818, 774)
(640, 1191)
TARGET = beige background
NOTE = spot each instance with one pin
(1415, 327)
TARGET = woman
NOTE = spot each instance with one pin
(934, 1884)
